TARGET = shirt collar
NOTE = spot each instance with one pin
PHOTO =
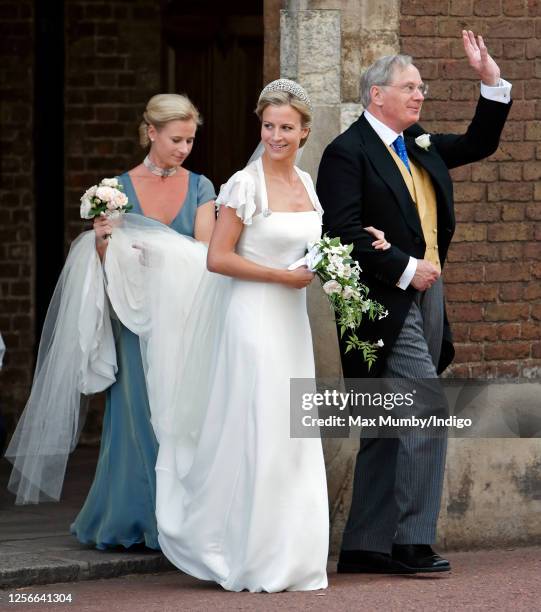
(383, 131)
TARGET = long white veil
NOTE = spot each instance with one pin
(161, 291)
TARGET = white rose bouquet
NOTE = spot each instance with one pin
(339, 273)
(107, 198)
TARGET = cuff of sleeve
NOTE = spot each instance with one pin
(408, 274)
(497, 93)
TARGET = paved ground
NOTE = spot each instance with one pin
(37, 550)
(494, 580)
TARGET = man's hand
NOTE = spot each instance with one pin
(425, 275)
(479, 59)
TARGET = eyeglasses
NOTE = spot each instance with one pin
(410, 89)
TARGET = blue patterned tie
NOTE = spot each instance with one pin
(400, 149)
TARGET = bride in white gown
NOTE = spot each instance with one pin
(251, 511)
(239, 501)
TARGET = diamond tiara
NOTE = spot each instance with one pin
(290, 86)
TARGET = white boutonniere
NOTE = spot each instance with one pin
(423, 141)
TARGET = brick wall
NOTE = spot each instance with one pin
(16, 202)
(493, 271)
(113, 63)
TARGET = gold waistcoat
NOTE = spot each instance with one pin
(422, 192)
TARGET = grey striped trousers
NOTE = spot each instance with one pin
(398, 481)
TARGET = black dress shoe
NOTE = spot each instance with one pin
(370, 562)
(419, 558)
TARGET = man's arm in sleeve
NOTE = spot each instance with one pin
(339, 188)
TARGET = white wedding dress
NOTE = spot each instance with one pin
(239, 501)
(251, 511)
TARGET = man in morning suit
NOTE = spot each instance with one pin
(380, 173)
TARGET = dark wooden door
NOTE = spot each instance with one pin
(213, 52)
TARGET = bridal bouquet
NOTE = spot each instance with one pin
(107, 198)
(332, 263)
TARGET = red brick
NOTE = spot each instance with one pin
(515, 8)
(468, 352)
(489, 213)
(458, 293)
(523, 109)
(533, 130)
(506, 312)
(460, 7)
(532, 171)
(462, 273)
(532, 250)
(470, 192)
(510, 171)
(510, 231)
(487, 8)
(533, 90)
(459, 251)
(501, 272)
(463, 173)
(513, 212)
(510, 28)
(424, 7)
(514, 50)
(507, 350)
(507, 370)
(485, 172)
(512, 251)
(461, 332)
(470, 232)
(484, 293)
(483, 332)
(485, 252)
(534, 8)
(515, 151)
(533, 291)
(509, 331)
(517, 192)
(463, 214)
(463, 312)
(530, 331)
(511, 292)
(451, 27)
(425, 47)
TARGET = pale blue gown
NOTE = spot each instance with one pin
(120, 507)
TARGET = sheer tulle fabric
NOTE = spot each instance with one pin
(152, 289)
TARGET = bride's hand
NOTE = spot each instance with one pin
(299, 278)
(380, 244)
(103, 229)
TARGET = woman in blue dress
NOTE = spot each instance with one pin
(120, 507)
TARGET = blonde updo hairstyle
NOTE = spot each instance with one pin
(281, 98)
(163, 108)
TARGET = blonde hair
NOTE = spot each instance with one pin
(163, 108)
(281, 98)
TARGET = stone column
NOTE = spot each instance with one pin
(325, 45)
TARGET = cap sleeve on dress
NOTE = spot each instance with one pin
(239, 193)
(205, 191)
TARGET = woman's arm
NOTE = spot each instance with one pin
(205, 220)
(103, 230)
(222, 258)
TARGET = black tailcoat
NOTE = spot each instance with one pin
(360, 185)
